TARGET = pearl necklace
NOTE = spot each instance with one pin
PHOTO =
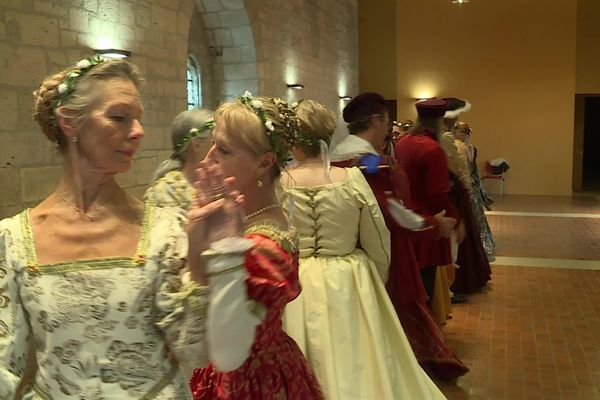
(262, 210)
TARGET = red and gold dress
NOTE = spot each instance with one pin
(276, 368)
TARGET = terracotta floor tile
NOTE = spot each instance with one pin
(534, 333)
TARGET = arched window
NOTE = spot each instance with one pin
(194, 89)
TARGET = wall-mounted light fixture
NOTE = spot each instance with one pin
(113, 53)
(346, 98)
(418, 99)
(296, 86)
(459, 1)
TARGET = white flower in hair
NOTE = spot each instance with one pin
(83, 64)
(62, 88)
(269, 125)
(257, 104)
(295, 104)
(247, 95)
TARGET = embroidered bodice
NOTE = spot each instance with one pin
(102, 327)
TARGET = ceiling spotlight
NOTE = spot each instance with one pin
(346, 98)
(296, 86)
(113, 53)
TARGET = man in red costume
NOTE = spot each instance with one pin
(426, 166)
(369, 123)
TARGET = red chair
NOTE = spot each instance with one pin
(490, 173)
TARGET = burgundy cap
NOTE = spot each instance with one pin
(434, 108)
(364, 105)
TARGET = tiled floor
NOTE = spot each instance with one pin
(575, 204)
(535, 332)
(574, 238)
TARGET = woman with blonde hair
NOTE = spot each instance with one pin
(191, 136)
(344, 320)
(252, 141)
(102, 283)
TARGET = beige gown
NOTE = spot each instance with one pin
(343, 320)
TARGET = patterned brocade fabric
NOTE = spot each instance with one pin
(457, 162)
(172, 190)
(101, 326)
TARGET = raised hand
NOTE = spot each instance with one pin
(216, 213)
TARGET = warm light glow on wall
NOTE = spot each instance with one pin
(290, 74)
(423, 91)
(103, 42)
(342, 83)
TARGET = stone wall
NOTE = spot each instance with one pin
(259, 45)
(232, 46)
(41, 37)
(314, 43)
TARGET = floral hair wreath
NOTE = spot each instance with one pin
(192, 133)
(302, 137)
(283, 135)
(68, 86)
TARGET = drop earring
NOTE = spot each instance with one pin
(259, 183)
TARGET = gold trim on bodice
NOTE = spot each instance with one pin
(86, 264)
(288, 240)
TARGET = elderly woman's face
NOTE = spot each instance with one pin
(112, 132)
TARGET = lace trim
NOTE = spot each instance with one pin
(286, 239)
(89, 264)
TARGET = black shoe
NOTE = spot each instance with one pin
(458, 298)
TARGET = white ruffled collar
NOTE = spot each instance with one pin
(350, 148)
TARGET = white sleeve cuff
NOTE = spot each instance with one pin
(405, 217)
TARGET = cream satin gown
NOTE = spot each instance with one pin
(343, 320)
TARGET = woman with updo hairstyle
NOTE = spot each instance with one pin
(191, 136)
(344, 320)
(112, 291)
(252, 142)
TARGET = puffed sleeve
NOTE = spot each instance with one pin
(14, 328)
(247, 276)
(232, 317)
(273, 271)
(181, 304)
(374, 236)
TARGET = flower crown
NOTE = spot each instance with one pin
(283, 134)
(302, 137)
(192, 133)
(68, 86)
